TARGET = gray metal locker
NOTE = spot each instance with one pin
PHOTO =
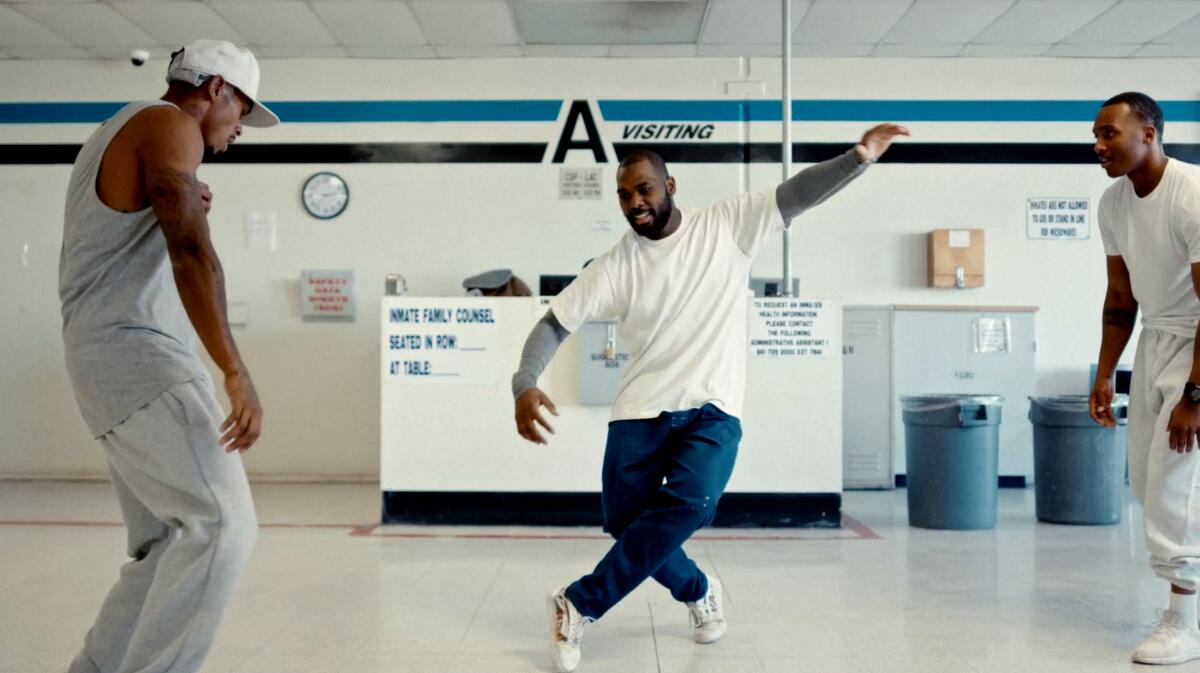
(911, 350)
(866, 397)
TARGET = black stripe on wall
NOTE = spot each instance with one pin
(900, 153)
(384, 153)
(524, 153)
(475, 508)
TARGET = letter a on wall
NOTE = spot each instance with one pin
(580, 110)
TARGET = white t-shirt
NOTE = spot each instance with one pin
(1159, 238)
(682, 303)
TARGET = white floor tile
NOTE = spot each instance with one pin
(1026, 597)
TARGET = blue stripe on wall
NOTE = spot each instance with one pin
(632, 111)
(874, 110)
(57, 113)
(418, 111)
(317, 111)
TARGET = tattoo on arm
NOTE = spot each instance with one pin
(175, 195)
(1120, 318)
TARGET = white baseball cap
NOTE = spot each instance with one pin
(205, 58)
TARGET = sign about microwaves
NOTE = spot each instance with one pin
(1059, 219)
(790, 328)
(440, 341)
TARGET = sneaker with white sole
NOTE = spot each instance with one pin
(566, 631)
(707, 615)
(1172, 642)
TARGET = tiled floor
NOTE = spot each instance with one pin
(327, 593)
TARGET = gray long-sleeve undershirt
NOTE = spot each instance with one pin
(811, 186)
(543, 342)
(802, 191)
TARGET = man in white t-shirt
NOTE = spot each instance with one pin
(1150, 223)
(677, 283)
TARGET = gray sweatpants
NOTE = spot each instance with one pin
(191, 525)
(1165, 482)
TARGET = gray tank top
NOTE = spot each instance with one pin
(126, 333)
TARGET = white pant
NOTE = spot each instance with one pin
(1165, 482)
(191, 525)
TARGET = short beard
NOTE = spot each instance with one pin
(662, 219)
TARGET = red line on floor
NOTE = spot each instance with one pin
(63, 524)
(860, 528)
(857, 530)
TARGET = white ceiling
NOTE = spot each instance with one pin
(89, 29)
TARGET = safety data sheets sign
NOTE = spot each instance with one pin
(440, 341)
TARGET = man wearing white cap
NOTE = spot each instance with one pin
(140, 282)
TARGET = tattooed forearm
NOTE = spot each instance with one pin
(175, 196)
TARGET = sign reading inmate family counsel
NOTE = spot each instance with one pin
(440, 341)
(791, 328)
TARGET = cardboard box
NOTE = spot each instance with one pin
(950, 249)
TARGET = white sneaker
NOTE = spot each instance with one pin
(708, 619)
(566, 630)
(1172, 642)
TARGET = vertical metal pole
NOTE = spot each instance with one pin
(787, 136)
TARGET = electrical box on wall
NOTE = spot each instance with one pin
(956, 258)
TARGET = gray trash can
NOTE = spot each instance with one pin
(1079, 466)
(953, 447)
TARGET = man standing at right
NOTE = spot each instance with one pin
(1150, 224)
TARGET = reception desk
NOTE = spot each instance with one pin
(450, 453)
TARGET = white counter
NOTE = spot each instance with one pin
(448, 427)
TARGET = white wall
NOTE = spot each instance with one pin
(437, 223)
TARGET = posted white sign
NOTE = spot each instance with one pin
(1059, 218)
(580, 183)
(440, 341)
(791, 328)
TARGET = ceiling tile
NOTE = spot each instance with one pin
(1186, 33)
(48, 53)
(87, 25)
(159, 56)
(987, 50)
(466, 22)
(739, 50)
(279, 23)
(301, 51)
(849, 21)
(748, 21)
(915, 50)
(590, 22)
(566, 50)
(178, 23)
(831, 50)
(1042, 21)
(1135, 22)
(653, 50)
(477, 51)
(945, 21)
(391, 52)
(1093, 50)
(377, 22)
(18, 30)
(1169, 51)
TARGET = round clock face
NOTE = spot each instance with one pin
(325, 195)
